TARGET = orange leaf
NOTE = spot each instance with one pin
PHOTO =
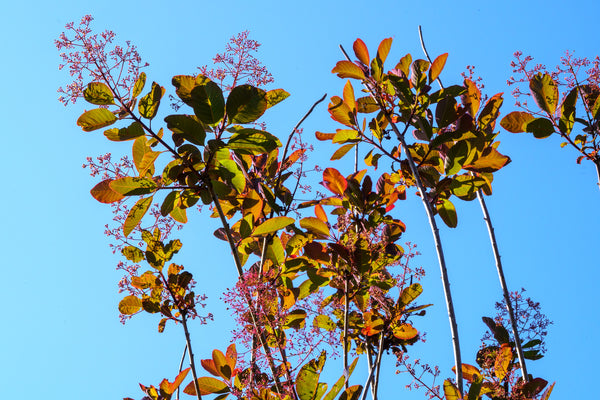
(104, 194)
(334, 181)
(324, 136)
(384, 49)
(437, 66)
(349, 97)
(316, 226)
(472, 98)
(361, 51)
(516, 121)
(320, 213)
(405, 332)
(169, 387)
(341, 112)
(347, 69)
(231, 355)
(209, 365)
(221, 364)
(469, 372)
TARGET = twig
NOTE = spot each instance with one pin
(181, 365)
(372, 369)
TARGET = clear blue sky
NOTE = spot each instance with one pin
(61, 337)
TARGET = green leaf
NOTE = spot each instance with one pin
(207, 385)
(316, 226)
(465, 187)
(208, 102)
(324, 322)
(516, 121)
(342, 151)
(447, 212)
(169, 203)
(275, 96)
(346, 135)
(140, 82)
(347, 69)
(272, 225)
(253, 141)
(133, 131)
(446, 112)
(567, 112)
(133, 186)
(366, 105)
(307, 379)
(148, 106)
(188, 127)
(409, 294)
(295, 319)
(246, 104)
(96, 119)
(133, 254)
(475, 389)
(136, 214)
(98, 93)
(104, 194)
(179, 214)
(540, 127)
(417, 69)
(490, 160)
(130, 305)
(545, 92)
(461, 153)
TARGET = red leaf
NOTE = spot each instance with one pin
(104, 194)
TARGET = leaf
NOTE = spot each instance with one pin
(253, 141)
(334, 181)
(469, 372)
(342, 151)
(275, 96)
(475, 389)
(104, 194)
(472, 98)
(206, 385)
(188, 127)
(516, 121)
(133, 186)
(133, 131)
(169, 387)
(140, 82)
(208, 102)
(130, 305)
(324, 322)
(490, 160)
(366, 105)
(450, 391)
(346, 135)
(210, 366)
(503, 359)
(136, 214)
(545, 92)
(341, 112)
(98, 93)
(272, 225)
(540, 127)
(347, 69)
(447, 212)
(179, 214)
(295, 319)
(133, 254)
(384, 49)
(340, 382)
(489, 114)
(324, 136)
(361, 51)
(446, 112)
(409, 294)
(352, 393)
(437, 66)
(307, 379)
(316, 226)
(96, 119)
(404, 331)
(567, 112)
(220, 363)
(246, 104)
(148, 106)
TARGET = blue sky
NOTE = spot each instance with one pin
(61, 336)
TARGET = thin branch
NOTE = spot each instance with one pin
(346, 313)
(181, 365)
(190, 354)
(372, 369)
(490, 227)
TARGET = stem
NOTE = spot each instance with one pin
(346, 310)
(190, 353)
(372, 369)
(436, 236)
(597, 164)
(181, 365)
(509, 307)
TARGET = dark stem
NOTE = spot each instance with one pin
(190, 353)
(346, 312)
(181, 365)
